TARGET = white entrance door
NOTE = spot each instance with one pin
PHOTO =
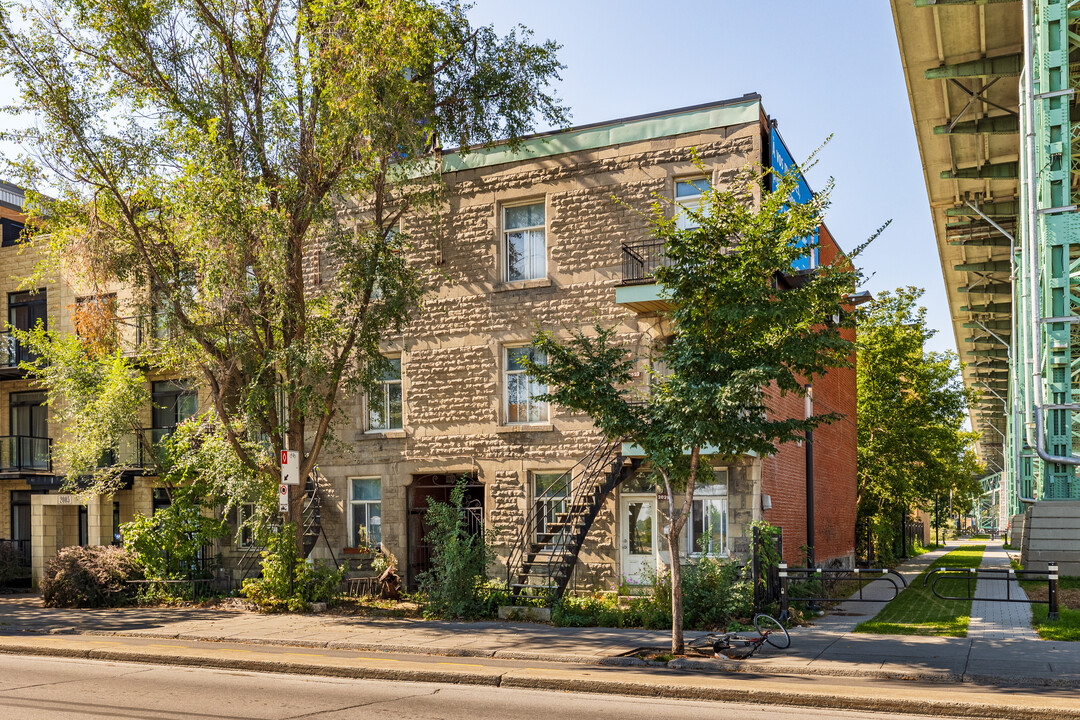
(637, 535)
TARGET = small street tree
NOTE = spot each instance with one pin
(745, 332)
(244, 168)
(913, 448)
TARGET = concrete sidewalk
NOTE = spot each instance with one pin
(828, 648)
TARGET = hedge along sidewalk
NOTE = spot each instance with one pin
(917, 611)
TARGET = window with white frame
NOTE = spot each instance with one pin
(708, 527)
(521, 390)
(384, 405)
(524, 242)
(550, 491)
(688, 196)
(365, 512)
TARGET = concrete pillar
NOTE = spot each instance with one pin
(99, 520)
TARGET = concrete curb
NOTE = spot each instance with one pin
(626, 660)
(659, 687)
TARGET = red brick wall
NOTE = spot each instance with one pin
(784, 474)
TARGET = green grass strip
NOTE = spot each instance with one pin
(917, 611)
(1067, 626)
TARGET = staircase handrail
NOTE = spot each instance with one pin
(563, 489)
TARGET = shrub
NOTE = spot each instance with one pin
(11, 566)
(455, 587)
(92, 576)
(168, 545)
(289, 583)
(715, 592)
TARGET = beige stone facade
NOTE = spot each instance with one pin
(595, 186)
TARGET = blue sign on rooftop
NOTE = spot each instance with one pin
(781, 163)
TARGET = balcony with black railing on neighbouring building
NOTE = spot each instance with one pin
(138, 451)
(639, 290)
(25, 454)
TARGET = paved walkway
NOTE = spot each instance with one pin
(999, 620)
(989, 655)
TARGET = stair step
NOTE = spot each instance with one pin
(534, 587)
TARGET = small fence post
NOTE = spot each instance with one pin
(783, 591)
(1052, 577)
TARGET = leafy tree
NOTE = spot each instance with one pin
(746, 333)
(244, 168)
(913, 448)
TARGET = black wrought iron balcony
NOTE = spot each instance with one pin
(13, 352)
(23, 453)
(640, 260)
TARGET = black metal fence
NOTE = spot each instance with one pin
(640, 260)
(766, 557)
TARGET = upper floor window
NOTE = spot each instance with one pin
(524, 242)
(384, 406)
(522, 390)
(174, 402)
(688, 196)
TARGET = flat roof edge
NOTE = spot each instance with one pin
(736, 111)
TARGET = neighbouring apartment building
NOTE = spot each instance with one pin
(551, 236)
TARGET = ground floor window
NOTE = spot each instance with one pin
(549, 490)
(244, 514)
(708, 527)
(84, 526)
(365, 512)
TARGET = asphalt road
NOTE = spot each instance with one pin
(32, 688)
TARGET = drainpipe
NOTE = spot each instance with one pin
(1032, 256)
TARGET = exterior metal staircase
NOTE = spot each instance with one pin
(250, 563)
(542, 559)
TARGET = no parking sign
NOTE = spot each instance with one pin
(283, 498)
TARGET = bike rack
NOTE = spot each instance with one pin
(788, 574)
(1006, 574)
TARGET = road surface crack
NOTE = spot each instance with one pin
(328, 711)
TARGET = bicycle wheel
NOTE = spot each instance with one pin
(775, 633)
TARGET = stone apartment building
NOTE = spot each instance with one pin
(553, 236)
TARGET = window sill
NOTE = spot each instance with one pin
(522, 285)
(388, 434)
(525, 427)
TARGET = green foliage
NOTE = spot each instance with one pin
(169, 545)
(11, 567)
(289, 584)
(202, 155)
(913, 450)
(92, 576)
(95, 398)
(746, 333)
(715, 594)
(917, 611)
(454, 587)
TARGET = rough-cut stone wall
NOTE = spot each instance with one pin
(454, 350)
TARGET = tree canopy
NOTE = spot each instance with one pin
(243, 167)
(747, 329)
(913, 448)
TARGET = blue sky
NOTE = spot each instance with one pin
(821, 68)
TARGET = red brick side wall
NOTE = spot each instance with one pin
(784, 474)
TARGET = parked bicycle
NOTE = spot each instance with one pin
(739, 647)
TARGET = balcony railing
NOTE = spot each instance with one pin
(23, 452)
(133, 451)
(13, 352)
(640, 260)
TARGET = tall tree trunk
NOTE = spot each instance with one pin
(677, 646)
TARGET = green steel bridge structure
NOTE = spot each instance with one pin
(993, 89)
